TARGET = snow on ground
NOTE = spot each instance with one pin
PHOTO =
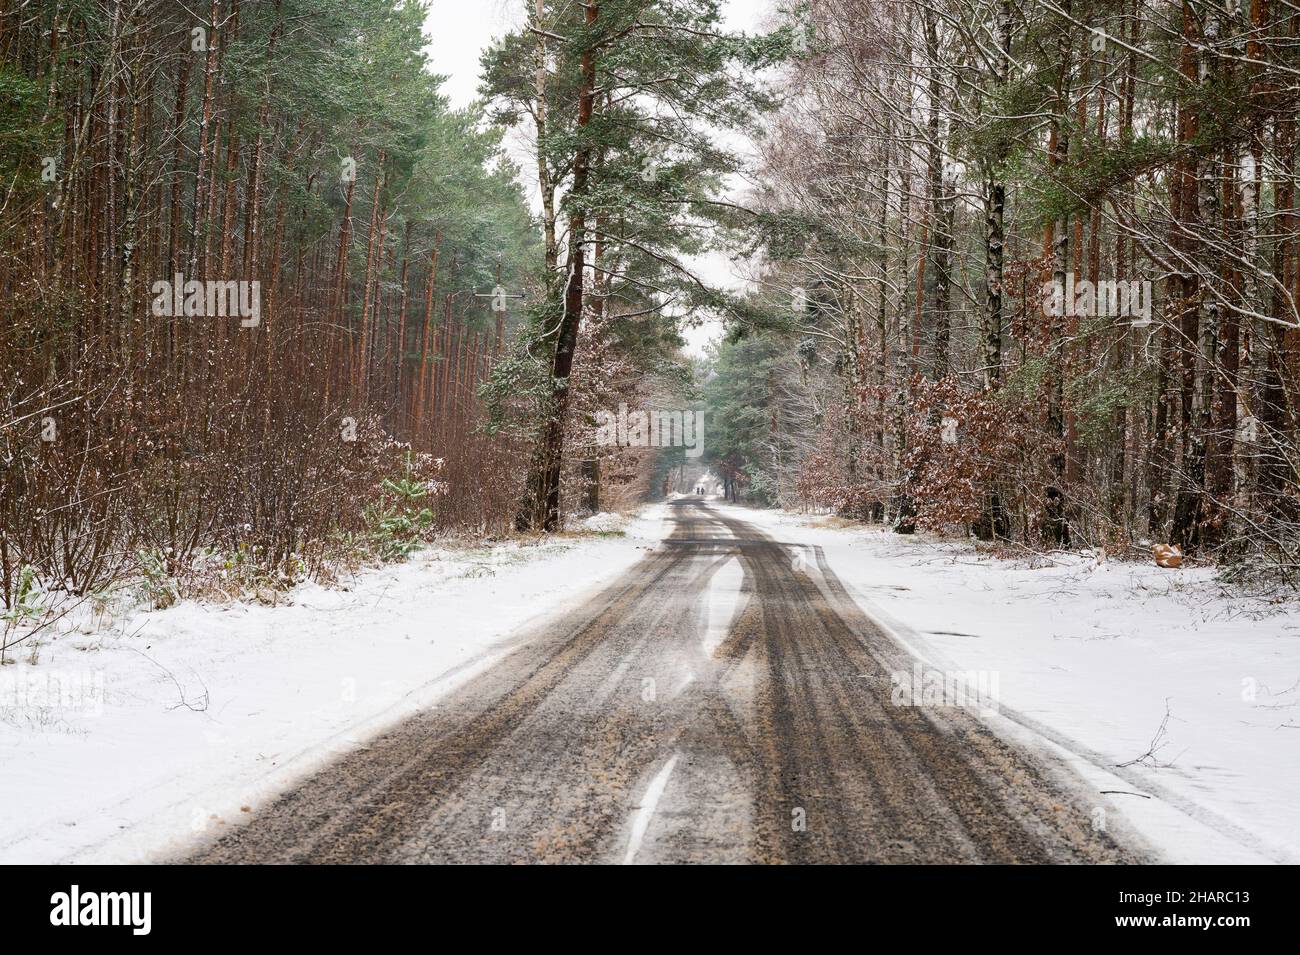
(1089, 657)
(603, 523)
(126, 741)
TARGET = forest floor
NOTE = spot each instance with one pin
(1172, 699)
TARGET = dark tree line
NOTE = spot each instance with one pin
(299, 147)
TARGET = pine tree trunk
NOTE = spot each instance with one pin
(543, 509)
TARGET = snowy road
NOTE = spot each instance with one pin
(722, 701)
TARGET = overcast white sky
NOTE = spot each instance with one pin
(459, 30)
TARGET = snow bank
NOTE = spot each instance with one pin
(1090, 657)
(127, 740)
(603, 523)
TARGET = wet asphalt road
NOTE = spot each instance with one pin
(635, 728)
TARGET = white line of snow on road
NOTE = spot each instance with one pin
(721, 601)
(646, 810)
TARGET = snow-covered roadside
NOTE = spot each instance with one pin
(122, 743)
(1088, 656)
